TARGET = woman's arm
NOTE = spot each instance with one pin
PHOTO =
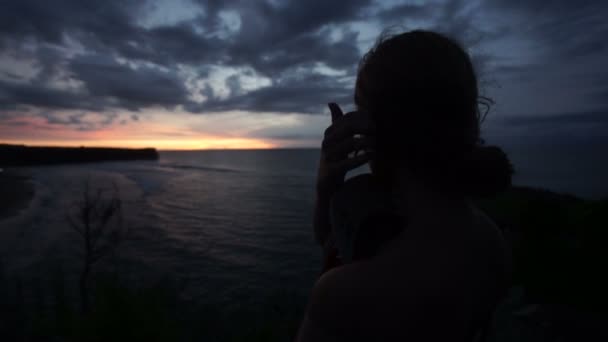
(321, 222)
(338, 142)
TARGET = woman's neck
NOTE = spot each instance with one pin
(422, 204)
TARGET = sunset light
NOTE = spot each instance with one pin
(303, 170)
(207, 143)
(164, 131)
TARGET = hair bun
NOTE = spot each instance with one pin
(486, 172)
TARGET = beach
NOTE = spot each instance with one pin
(17, 192)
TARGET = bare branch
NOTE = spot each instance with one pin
(74, 225)
(98, 220)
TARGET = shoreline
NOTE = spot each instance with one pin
(17, 193)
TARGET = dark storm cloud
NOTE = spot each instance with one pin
(304, 94)
(107, 84)
(274, 40)
(131, 88)
(49, 21)
(121, 64)
(14, 95)
(111, 26)
(302, 50)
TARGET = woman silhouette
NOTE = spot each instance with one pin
(434, 266)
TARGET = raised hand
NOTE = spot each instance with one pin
(348, 134)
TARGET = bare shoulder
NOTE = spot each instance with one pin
(496, 245)
(340, 299)
(333, 294)
(356, 300)
(420, 279)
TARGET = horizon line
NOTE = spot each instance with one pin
(169, 150)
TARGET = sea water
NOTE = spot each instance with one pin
(230, 226)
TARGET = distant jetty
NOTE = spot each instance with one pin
(21, 155)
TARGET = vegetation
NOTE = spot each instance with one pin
(122, 312)
(559, 285)
(558, 246)
(98, 221)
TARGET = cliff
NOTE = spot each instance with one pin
(20, 155)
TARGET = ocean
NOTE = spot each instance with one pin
(230, 226)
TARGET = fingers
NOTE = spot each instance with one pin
(340, 141)
(336, 112)
(342, 149)
(348, 125)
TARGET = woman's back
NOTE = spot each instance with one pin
(437, 281)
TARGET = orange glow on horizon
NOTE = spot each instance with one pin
(161, 136)
(186, 144)
(176, 131)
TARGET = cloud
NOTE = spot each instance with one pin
(123, 86)
(31, 18)
(16, 95)
(596, 117)
(567, 29)
(86, 39)
(82, 121)
(405, 11)
(111, 56)
(307, 94)
(106, 84)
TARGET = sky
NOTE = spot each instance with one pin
(196, 74)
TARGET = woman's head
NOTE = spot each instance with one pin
(420, 90)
